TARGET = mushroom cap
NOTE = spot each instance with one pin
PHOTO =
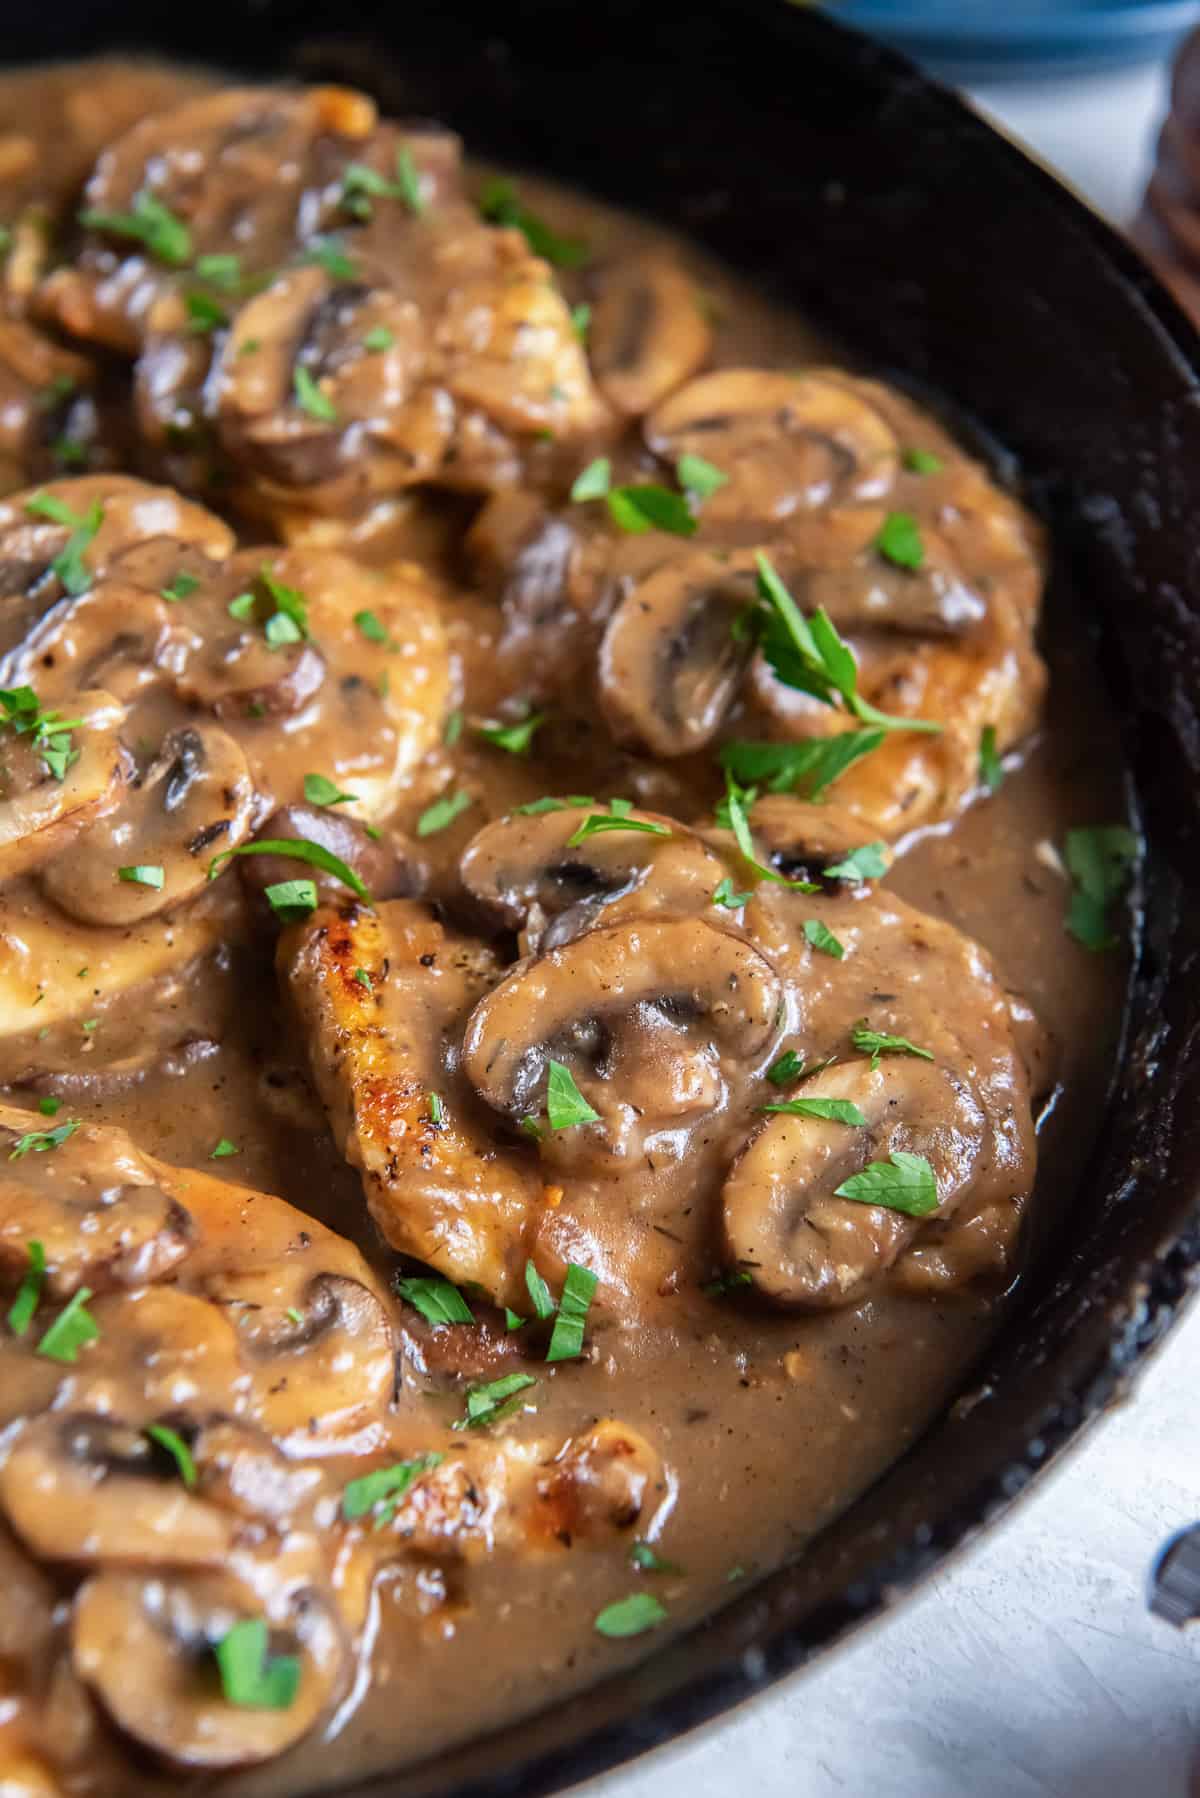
(144, 1646)
(40, 815)
(116, 636)
(785, 442)
(801, 839)
(388, 868)
(804, 1247)
(670, 664)
(521, 862)
(647, 333)
(195, 800)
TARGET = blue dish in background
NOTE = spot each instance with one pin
(981, 38)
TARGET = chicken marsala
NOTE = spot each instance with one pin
(534, 855)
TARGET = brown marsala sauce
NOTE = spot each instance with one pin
(768, 1422)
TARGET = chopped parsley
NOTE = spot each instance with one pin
(252, 1678)
(991, 768)
(616, 818)
(143, 874)
(727, 1282)
(534, 808)
(581, 319)
(1100, 862)
(292, 900)
(452, 729)
(867, 862)
(648, 1559)
(49, 1106)
(328, 254)
(565, 1104)
(437, 1111)
(173, 1443)
(223, 1148)
(823, 939)
(29, 1292)
(371, 628)
(378, 338)
(224, 271)
(204, 313)
(298, 849)
(513, 1319)
(648, 506)
(437, 1300)
(442, 813)
(150, 223)
(361, 185)
(539, 1292)
(39, 1142)
(876, 1043)
(788, 1066)
(69, 564)
(312, 399)
(698, 477)
(903, 1182)
(899, 541)
(49, 734)
(501, 204)
(72, 1329)
(592, 482)
(566, 1339)
(491, 1403)
(837, 1111)
(320, 790)
(183, 584)
(364, 979)
(631, 1616)
(811, 766)
(383, 1490)
(919, 461)
(725, 895)
(517, 739)
(731, 815)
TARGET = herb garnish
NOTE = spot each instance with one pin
(1100, 861)
(437, 1300)
(320, 790)
(566, 1339)
(143, 874)
(174, 1444)
(328, 254)
(728, 1282)
(616, 818)
(371, 627)
(38, 1142)
(698, 477)
(903, 1183)
(823, 939)
(204, 313)
(837, 1111)
(725, 895)
(490, 1403)
(731, 814)
(501, 204)
(789, 1066)
(517, 739)
(534, 808)
(876, 1043)
(649, 1560)
(867, 862)
(899, 541)
(292, 900)
(69, 564)
(442, 813)
(183, 584)
(813, 765)
(298, 849)
(581, 318)
(642, 506)
(631, 1616)
(29, 1292)
(220, 270)
(150, 222)
(565, 1104)
(919, 461)
(251, 1677)
(223, 1148)
(48, 1105)
(71, 1330)
(361, 185)
(991, 768)
(312, 399)
(382, 1490)
(378, 338)
(592, 482)
(50, 735)
(364, 979)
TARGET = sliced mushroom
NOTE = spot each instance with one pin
(524, 871)
(802, 840)
(115, 636)
(603, 1482)
(384, 868)
(47, 409)
(152, 852)
(146, 1648)
(96, 1206)
(785, 443)
(872, 594)
(382, 1049)
(651, 1015)
(803, 1246)
(84, 1487)
(42, 811)
(670, 661)
(647, 333)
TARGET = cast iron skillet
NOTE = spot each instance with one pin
(831, 171)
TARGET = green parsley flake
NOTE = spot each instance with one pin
(39, 1142)
(175, 1446)
(437, 1300)
(442, 813)
(513, 1319)
(837, 1111)
(725, 895)
(581, 319)
(383, 1490)
(378, 338)
(698, 477)
(292, 900)
(648, 1560)
(452, 729)
(517, 739)
(72, 1329)
(320, 790)
(371, 627)
(809, 767)
(144, 874)
(298, 849)
(204, 313)
(899, 541)
(328, 254)
(223, 1148)
(364, 979)
(311, 398)
(29, 1292)
(535, 807)
(868, 862)
(732, 814)
(501, 204)
(183, 584)
(489, 1404)
(565, 1104)
(1100, 862)
(823, 939)
(224, 271)
(631, 1616)
(650, 507)
(151, 223)
(876, 1043)
(991, 768)
(728, 1282)
(69, 564)
(566, 1339)
(251, 1677)
(902, 1183)
(539, 1292)
(592, 482)
(437, 1111)
(616, 818)
(49, 1106)
(919, 461)
(49, 734)
(788, 1067)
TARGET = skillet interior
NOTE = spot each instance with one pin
(830, 172)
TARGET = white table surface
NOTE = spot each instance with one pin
(1030, 1667)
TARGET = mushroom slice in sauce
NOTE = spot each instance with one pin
(784, 442)
(116, 636)
(670, 663)
(651, 1016)
(85, 1487)
(802, 840)
(49, 417)
(647, 333)
(43, 810)
(525, 872)
(152, 853)
(388, 868)
(381, 998)
(145, 1646)
(784, 1225)
(95, 1204)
